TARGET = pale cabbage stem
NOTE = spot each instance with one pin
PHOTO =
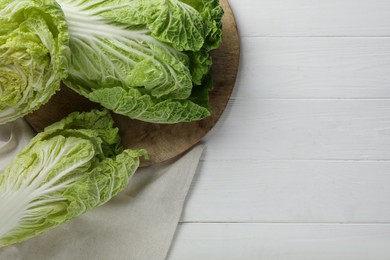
(11, 213)
(82, 25)
(95, 26)
(13, 7)
(87, 26)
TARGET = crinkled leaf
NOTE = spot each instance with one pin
(154, 50)
(73, 166)
(34, 55)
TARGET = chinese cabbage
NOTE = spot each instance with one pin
(135, 57)
(73, 166)
(34, 55)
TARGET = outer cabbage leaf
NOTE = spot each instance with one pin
(170, 21)
(148, 54)
(133, 102)
(34, 55)
(185, 24)
(211, 12)
(73, 166)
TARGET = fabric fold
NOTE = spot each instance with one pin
(139, 223)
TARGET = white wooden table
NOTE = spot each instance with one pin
(299, 165)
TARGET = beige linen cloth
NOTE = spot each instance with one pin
(139, 223)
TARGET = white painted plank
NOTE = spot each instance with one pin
(278, 156)
(312, 17)
(281, 242)
(253, 129)
(314, 68)
(290, 191)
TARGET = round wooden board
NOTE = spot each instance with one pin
(162, 141)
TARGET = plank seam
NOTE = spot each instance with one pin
(316, 36)
(287, 223)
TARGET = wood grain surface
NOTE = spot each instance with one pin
(298, 166)
(162, 141)
(258, 241)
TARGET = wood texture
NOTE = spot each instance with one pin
(305, 138)
(319, 67)
(268, 191)
(312, 18)
(301, 129)
(281, 242)
(162, 141)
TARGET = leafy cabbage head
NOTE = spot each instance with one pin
(34, 55)
(73, 166)
(147, 59)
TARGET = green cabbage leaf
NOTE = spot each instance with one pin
(34, 55)
(73, 166)
(147, 59)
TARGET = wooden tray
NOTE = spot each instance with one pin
(163, 142)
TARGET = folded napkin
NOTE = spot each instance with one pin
(139, 223)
